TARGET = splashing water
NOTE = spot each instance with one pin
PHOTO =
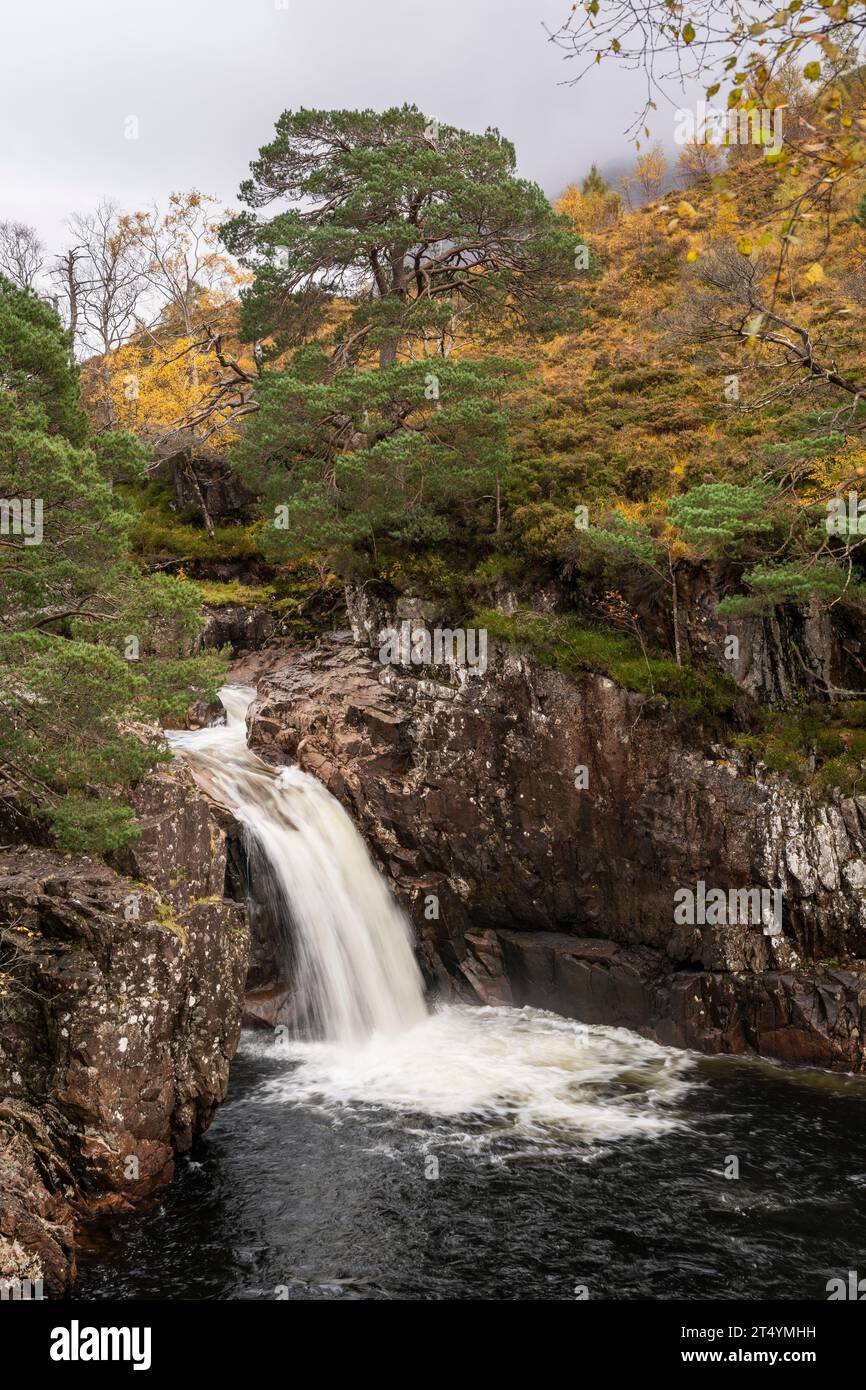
(503, 1073)
(486, 1077)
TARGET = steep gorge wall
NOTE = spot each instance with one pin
(559, 897)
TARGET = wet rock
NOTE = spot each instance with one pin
(121, 1012)
(814, 1018)
(180, 850)
(270, 1007)
(37, 1221)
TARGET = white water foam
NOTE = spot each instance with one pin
(515, 1073)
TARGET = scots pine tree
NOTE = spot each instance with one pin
(413, 227)
(346, 463)
(388, 241)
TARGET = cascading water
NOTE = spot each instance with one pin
(367, 1034)
(471, 1152)
(354, 973)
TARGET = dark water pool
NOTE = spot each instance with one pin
(288, 1198)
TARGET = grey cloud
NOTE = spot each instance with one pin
(206, 80)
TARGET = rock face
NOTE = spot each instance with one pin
(523, 884)
(121, 1007)
(205, 477)
(777, 656)
(794, 650)
(240, 628)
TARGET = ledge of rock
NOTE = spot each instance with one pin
(815, 1017)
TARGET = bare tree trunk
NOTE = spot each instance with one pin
(676, 610)
(65, 273)
(192, 476)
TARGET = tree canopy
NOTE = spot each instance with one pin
(404, 246)
(89, 646)
(418, 227)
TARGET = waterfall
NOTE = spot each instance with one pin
(365, 1036)
(353, 969)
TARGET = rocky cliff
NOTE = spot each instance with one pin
(122, 990)
(524, 885)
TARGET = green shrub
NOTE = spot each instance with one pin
(817, 745)
(560, 642)
(218, 595)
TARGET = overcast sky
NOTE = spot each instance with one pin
(206, 79)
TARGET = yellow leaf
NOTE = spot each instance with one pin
(814, 275)
(812, 71)
(692, 256)
(744, 246)
(688, 32)
(686, 210)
